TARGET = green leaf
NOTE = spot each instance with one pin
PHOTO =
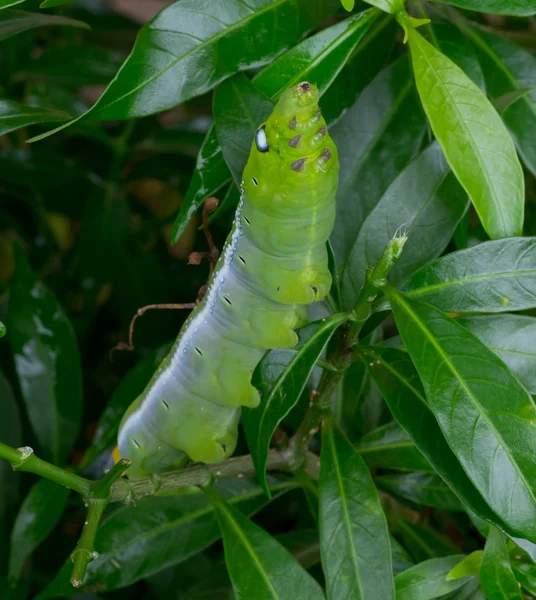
(422, 541)
(447, 38)
(496, 576)
(376, 138)
(495, 276)
(518, 8)
(428, 203)
(51, 3)
(401, 559)
(13, 22)
(281, 387)
(318, 58)
(511, 338)
(469, 566)
(8, 3)
(526, 575)
(348, 5)
(239, 109)
(475, 141)
(188, 49)
(354, 539)
(10, 433)
(47, 361)
(135, 542)
(389, 6)
(486, 416)
(131, 386)
(259, 566)
(390, 447)
(510, 75)
(427, 580)
(38, 515)
(503, 103)
(426, 489)
(14, 116)
(73, 66)
(401, 388)
(3, 330)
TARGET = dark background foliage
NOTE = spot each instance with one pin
(99, 220)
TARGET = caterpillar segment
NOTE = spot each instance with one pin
(274, 263)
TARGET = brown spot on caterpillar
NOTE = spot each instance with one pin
(298, 165)
(317, 116)
(224, 448)
(314, 288)
(320, 134)
(305, 86)
(324, 157)
(292, 123)
(294, 141)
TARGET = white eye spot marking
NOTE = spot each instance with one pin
(261, 141)
(254, 181)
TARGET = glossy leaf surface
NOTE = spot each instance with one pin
(518, 8)
(497, 276)
(13, 22)
(354, 539)
(486, 416)
(475, 141)
(47, 361)
(14, 116)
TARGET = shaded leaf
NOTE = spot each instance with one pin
(376, 139)
(475, 141)
(518, 8)
(3, 330)
(426, 489)
(401, 559)
(427, 580)
(496, 575)
(495, 276)
(179, 53)
(319, 57)
(14, 116)
(425, 202)
(135, 542)
(390, 447)
(484, 413)
(510, 73)
(354, 539)
(526, 575)
(38, 515)
(281, 388)
(8, 3)
(259, 566)
(422, 541)
(14, 21)
(401, 387)
(511, 338)
(51, 3)
(47, 361)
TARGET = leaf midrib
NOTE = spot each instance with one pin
(445, 357)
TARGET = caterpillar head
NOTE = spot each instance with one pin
(291, 153)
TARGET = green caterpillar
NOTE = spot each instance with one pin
(273, 264)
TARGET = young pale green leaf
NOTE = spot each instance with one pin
(38, 515)
(354, 539)
(8, 3)
(10, 433)
(47, 361)
(281, 387)
(447, 38)
(14, 21)
(469, 567)
(73, 66)
(426, 489)
(401, 387)
(511, 338)
(178, 54)
(496, 576)
(428, 579)
(486, 416)
(390, 447)
(473, 137)
(318, 58)
(236, 128)
(131, 386)
(497, 276)
(517, 8)
(14, 116)
(425, 202)
(526, 575)
(348, 5)
(135, 542)
(259, 566)
(376, 138)
(510, 73)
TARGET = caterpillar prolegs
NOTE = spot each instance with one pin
(273, 264)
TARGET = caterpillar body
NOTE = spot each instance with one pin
(273, 264)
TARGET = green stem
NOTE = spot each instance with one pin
(23, 459)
